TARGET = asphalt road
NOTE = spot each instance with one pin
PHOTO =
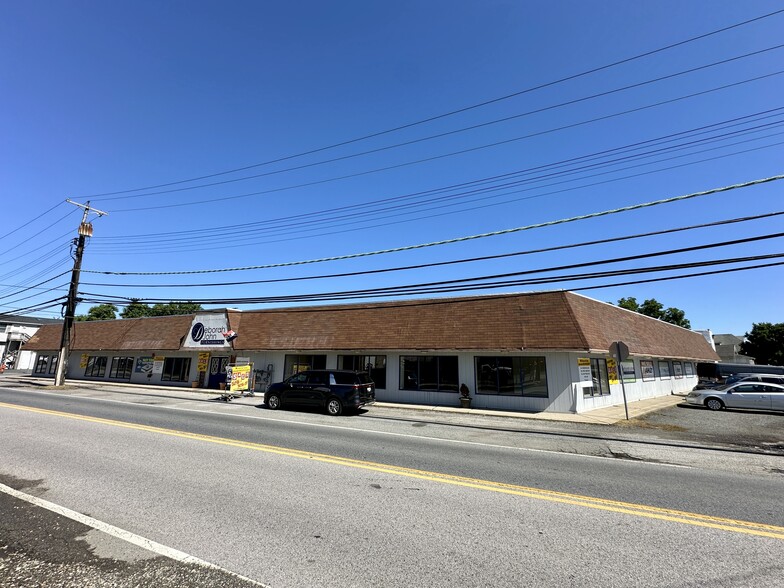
(301, 499)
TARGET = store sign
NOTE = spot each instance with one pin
(203, 361)
(157, 364)
(207, 330)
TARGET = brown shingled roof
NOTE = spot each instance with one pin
(536, 321)
(141, 334)
(543, 321)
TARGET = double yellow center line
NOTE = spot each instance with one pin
(628, 508)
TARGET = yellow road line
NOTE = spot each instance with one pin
(640, 510)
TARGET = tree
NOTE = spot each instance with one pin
(173, 308)
(135, 309)
(655, 309)
(765, 343)
(102, 312)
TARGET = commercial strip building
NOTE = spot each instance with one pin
(546, 351)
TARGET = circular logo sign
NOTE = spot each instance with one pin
(197, 332)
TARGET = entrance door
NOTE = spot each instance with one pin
(217, 373)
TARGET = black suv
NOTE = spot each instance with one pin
(330, 390)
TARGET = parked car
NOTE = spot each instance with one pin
(743, 394)
(766, 378)
(330, 390)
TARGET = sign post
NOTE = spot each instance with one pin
(620, 351)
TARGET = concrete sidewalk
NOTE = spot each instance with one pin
(601, 416)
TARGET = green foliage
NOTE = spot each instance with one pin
(765, 343)
(655, 309)
(173, 308)
(135, 309)
(102, 312)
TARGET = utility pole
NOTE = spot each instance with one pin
(85, 230)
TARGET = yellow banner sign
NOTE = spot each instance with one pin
(240, 378)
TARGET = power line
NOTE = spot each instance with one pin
(433, 289)
(352, 210)
(346, 222)
(452, 153)
(463, 129)
(459, 261)
(454, 112)
(465, 238)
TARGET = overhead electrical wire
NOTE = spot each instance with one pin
(346, 222)
(457, 111)
(433, 289)
(475, 279)
(32, 220)
(427, 159)
(471, 187)
(450, 262)
(571, 219)
(55, 302)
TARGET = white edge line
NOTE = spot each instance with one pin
(387, 433)
(133, 538)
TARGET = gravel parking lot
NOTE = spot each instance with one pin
(743, 429)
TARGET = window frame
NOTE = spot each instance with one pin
(42, 361)
(294, 363)
(377, 374)
(183, 372)
(603, 379)
(518, 368)
(95, 363)
(124, 363)
(439, 377)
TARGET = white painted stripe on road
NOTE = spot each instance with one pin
(387, 433)
(133, 538)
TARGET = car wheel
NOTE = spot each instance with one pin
(334, 406)
(714, 404)
(273, 402)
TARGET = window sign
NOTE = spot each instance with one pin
(612, 371)
(664, 370)
(677, 369)
(646, 367)
(157, 364)
(627, 370)
(584, 367)
(143, 365)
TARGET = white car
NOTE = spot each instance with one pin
(762, 396)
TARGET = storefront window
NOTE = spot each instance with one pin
(601, 383)
(375, 365)
(429, 372)
(176, 369)
(96, 366)
(511, 376)
(299, 363)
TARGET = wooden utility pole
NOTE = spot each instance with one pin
(85, 230)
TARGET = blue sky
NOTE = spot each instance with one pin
(102, 100)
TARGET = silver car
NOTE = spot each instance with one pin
(762, 396)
